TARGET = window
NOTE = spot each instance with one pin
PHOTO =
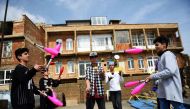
(141, 62)
(7, 49)
(138, 39)
(150, 38)
(58, 66)
(151, 61)
(82, 68)
(83, 43)
(122, 36)
(170, 38)
(99, 21)
(130, 63)
(102, 42)
(61, 42)
(70, 66)
(69, 44)
(5, 76)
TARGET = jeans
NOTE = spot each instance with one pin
(116, 99)
(165, 104)
(90, 102)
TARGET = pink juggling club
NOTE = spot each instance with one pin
(57, 49)
(52, 98)
(53, 51)
(133, 51)
(138, 88)
(55, 101)
(132, 83)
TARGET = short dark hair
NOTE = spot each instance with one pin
(162, 40)
(19, 52)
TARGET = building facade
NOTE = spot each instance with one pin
(80, 37)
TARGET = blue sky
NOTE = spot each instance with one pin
(129, 11)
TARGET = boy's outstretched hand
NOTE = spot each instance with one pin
(148, 79)
(38, 67)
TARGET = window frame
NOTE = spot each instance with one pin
(5, 77)
(151, 59)
(85, 66)
(82, 39)
(122, 35)
(130, 63)
(171, 40)
(106, 42)
(99, 21)
(138, 39)
(6, 46)
(150, 38)
(72, 65)
(58, 66)
(69, 44)
(140, 62)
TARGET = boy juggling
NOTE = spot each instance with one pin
(114, 79)
(23, 88)
(168, 76)
(46, 85)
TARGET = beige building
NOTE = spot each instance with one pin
(80, 37)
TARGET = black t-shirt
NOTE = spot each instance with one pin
(23, 88)
(45, 83)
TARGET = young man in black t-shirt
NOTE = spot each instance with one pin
(23, 88)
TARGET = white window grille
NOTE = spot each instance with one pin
(130, 63)
(5, 76)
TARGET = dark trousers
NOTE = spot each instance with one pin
(90, 102)
(158, 104)
(45, 103)
(25, 106)
(165, 104)
(116, 99)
